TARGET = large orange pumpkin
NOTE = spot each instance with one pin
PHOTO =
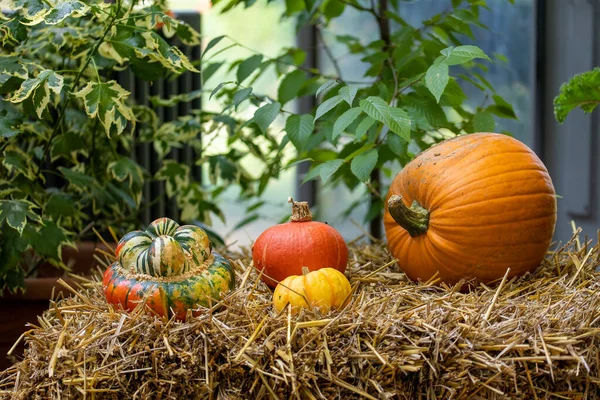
(471, 207)
(282, 250)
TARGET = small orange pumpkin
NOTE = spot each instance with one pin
(324, 289)
(471, 207)
(282, 250)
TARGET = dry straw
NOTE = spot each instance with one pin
(527, 338)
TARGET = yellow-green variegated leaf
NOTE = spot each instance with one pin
(16, 212)
(39, 89)
(16, 161)
(176, 175)
(38, 11)
(33, 10)
(12, 66)
(106, 101)
(158, 50)
(65, 9)
(107, 50)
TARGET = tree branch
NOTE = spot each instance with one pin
(335, 63)
(359, 7)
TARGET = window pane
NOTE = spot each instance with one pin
(268, 39)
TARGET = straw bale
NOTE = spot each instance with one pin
(533, 337)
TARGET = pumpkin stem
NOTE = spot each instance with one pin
(305, 271)
(414, 219)
(300, 211)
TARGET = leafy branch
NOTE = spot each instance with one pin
(582, 90)
(65, 104)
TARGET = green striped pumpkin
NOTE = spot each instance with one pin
(171, 268)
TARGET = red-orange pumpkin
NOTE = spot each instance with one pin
(471, 207)
(282, 250)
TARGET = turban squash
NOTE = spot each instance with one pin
(170, 268)
(470, 208)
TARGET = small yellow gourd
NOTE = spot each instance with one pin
(325, 289)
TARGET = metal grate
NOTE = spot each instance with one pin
(143, 153)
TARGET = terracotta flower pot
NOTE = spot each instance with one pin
(17, 309)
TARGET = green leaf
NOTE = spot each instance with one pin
(245, 221)
(299, 129)
(210, 70)
(327, 106)
(217, 88)
(264, 116)
(399, 122)
(240, 96)
(345, 120)
(172, 101)
(436, 79)
(38, 89)
(324, 88)
(156, 49)
(33, 10)
(80, 181)
(106, 101)
(16, 212)
(348, 93)
(324, 170)
(49, 240)
(212, 44)
(68, 145)
(398, 145)
(376, 108)
(222, 167)
(176, 176)
(579, 91)
(484, 122)
(462, 54)
(364, 126)
(188, 35)
(9, 126)
(65, 9)
(363, 164)
(16, 160)
(502, 108)
(12, 66)
(60, 205)
(290, 86)
(126, 168)
(248, 66)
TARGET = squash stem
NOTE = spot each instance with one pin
(300, 211)
(415, 219)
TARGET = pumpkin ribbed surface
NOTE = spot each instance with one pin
(483, 203)
(171, 268)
